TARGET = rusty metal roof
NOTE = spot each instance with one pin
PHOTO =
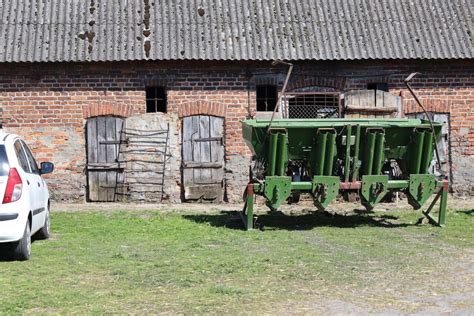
(113, 30)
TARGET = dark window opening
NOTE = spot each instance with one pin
(267, 96)
(156, 99)
(378, 86)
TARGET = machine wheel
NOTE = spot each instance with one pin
(22, 248)
(45, 231)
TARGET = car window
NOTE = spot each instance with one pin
(32, 162)
(20, 153)
(4, 166)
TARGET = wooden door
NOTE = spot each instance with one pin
(203, 158)
(103, 167)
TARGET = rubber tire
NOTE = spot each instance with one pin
(22, 248)
(45, 231)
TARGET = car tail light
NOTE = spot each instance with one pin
(14, 187)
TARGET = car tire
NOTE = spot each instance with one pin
(22, 248)
(45, 231)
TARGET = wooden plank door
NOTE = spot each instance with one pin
(103, 167)
(203, 158)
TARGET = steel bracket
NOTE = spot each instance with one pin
(373, 190)
(420, 188)
(325, 189)
(276, 190)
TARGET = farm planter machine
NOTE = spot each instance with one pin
(328, 157)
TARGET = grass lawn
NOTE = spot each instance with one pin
(152, 262)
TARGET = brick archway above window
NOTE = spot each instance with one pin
(107, 108)
(200, 107)
(274, 80)
(337, 83)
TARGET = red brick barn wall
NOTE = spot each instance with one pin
(48, 103)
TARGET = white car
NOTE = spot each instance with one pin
(24, 196)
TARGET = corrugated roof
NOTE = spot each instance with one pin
(113, 30)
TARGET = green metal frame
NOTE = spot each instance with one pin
(277, 189)
(374, 188)
(340, 155)
(324, 190)
(421, 187)
(253, 189)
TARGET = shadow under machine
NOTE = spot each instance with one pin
(328, 157)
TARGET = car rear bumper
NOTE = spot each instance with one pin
(8, 217)
(12, 223)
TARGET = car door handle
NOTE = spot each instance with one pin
(27, 182)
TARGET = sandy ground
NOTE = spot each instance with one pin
(455, 203)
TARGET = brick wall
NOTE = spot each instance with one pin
(48, 103)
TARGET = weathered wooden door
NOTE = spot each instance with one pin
(203, 158)
(103, 168)
(371, 104)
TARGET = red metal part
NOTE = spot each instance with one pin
(356, 185)
(250, 189)
(445, 185)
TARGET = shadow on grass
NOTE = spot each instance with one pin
(469, 212)
(6, 251)
(278, 220)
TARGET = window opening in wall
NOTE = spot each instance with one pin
(267, 96)
(383, 86)
(311, 105)
(156, 100)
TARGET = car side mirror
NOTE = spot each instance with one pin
(46, 167)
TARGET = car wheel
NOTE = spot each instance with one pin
(45, 231)
(22, 248)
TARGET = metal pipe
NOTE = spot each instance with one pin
(347, 158)
(282, 154)
(356, 163)
(272, 150)
(320, 153)
(369, 153)
(416, 152)
(283, 90)
(427, 154)
(378, 155)
(330, 151)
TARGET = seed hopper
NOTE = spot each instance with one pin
(328, 157)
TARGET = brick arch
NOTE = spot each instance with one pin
(337, 83)
(107, 108)
(274, 79)
(157, 82)
(202, 107)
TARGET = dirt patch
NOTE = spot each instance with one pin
(457, 203)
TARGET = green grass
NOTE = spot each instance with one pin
(151, 262)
